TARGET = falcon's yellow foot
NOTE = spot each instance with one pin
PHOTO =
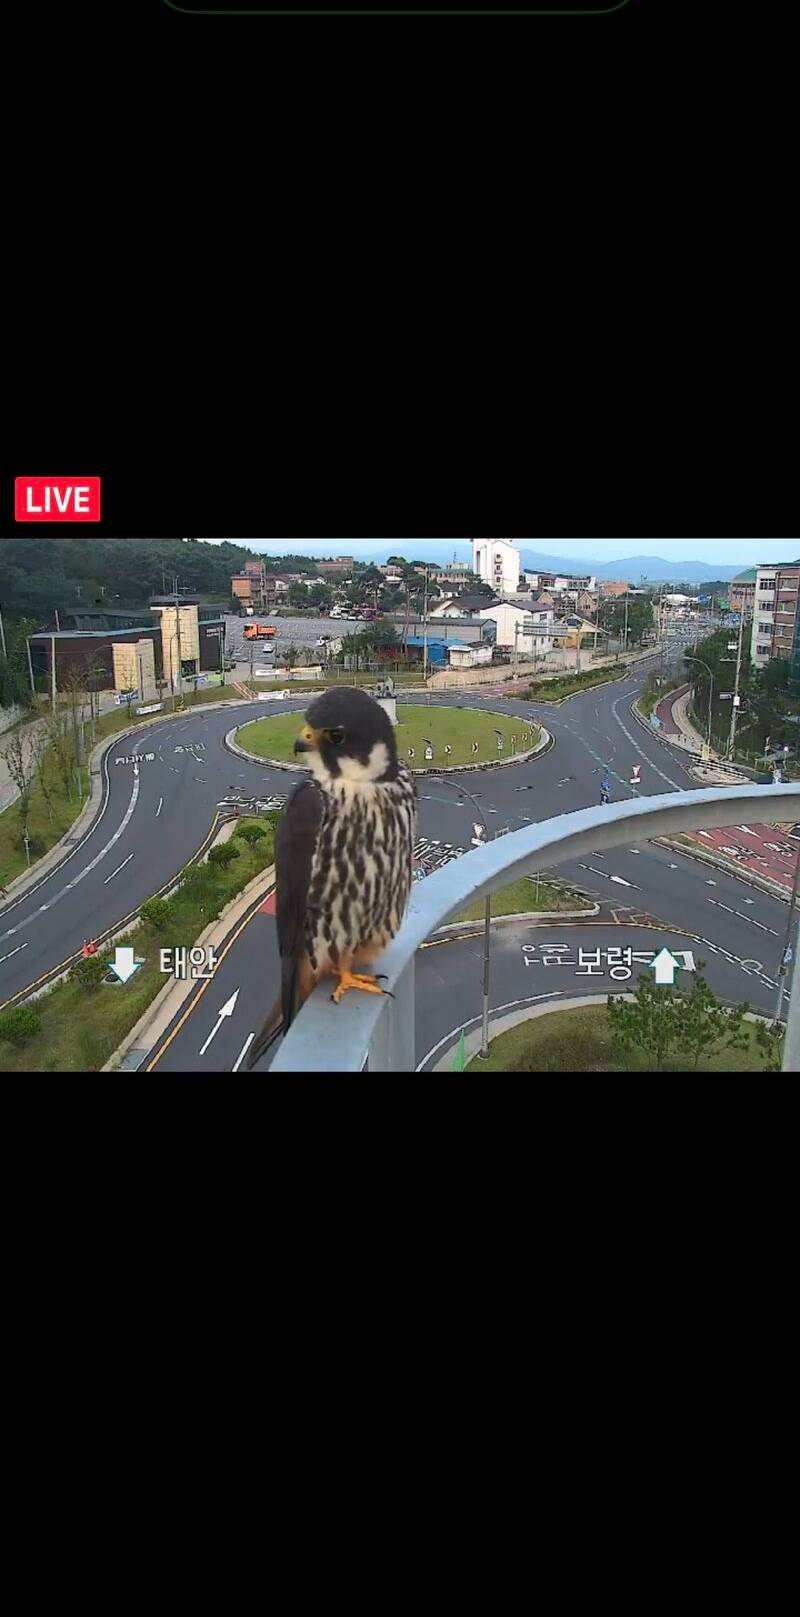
(349, 979)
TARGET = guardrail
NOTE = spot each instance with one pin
(378, 1033)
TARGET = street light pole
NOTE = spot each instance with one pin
(487, 925)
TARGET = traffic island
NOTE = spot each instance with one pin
(430, 740)
(574, 1037)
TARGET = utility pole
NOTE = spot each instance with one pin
(30, 665)
(58, 625)
(626, 622)
(3, 635)
(53, 670)
(180, 658)
(735, 705)
(425, 633)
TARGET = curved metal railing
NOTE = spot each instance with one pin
(338, 1038)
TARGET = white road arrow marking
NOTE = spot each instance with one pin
(227, 1010)
(125, 964)
(621, 882)
(665, 966)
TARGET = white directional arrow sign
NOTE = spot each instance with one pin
(227, 1010)
(665, 966)
(125, 964)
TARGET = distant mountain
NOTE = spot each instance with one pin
(439, 552)
(654, 568)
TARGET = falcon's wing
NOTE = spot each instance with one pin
(295, 845)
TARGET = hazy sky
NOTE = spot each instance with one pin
(728, 552)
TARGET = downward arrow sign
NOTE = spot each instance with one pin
(227, 1010)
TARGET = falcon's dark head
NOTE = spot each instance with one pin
(348, 736)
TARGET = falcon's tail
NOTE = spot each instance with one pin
(294, 989)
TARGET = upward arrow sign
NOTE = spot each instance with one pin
(665, 966)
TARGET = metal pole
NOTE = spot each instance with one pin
(710, 703)
(58, 625)
(53, 670)
(3, 637)
(626, 622)
(30, 665)
(735, 706)
(180, 657)
(784, 961)
(487, 947)
(487, 931)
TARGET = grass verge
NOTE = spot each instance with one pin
(580, 1041)
(555, 690)
(522, 897)
(80, 1029)
(457, 728)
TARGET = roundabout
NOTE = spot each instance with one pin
(435, 737)
(164, 789)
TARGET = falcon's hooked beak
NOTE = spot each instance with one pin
(308, 740)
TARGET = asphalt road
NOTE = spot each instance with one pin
(153, 821)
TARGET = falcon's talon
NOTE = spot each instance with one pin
(349, 980)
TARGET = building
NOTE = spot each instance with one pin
(763, 617)
(742, 591)
(110, 656)
(463, 654)
(453, 577)
(497, 563)
(340, 564)
(462, 606)
(613, 588)
(785, 622)
(516, 623)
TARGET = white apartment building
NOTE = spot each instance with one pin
(763, 617)
(497, 564)
(518, 627)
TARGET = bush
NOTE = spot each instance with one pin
(251, 833)
(223, 854)
(157, 912)
(89, 973)
(19, 1024)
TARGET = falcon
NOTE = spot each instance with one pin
(343, 855)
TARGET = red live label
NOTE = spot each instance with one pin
(57, 499)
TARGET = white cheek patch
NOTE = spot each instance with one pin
(377, 764)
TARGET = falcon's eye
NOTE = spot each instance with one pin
(336, 736)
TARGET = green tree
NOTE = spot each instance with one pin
(298, 595)
(157, 912)
(251, 833)
(706, 1026)
(223, 854)
(650, 1023)
(320, 595)
(89, 973)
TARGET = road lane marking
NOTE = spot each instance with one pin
(243, 1052)
(160, 806)
(151, 1066)
(19, 948)
(118, 869)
